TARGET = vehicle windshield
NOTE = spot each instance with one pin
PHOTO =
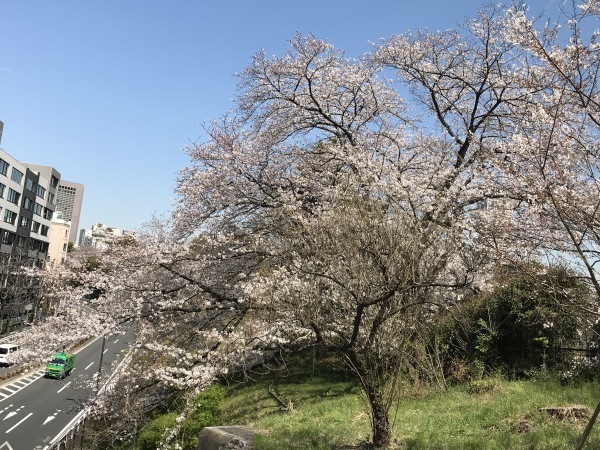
(58, 361)
(3, 351)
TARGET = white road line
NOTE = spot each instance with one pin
(48, 419)
(19, 422)
(89, 365)
(6, 388)
(59, 391)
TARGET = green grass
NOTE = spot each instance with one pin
(329, 412)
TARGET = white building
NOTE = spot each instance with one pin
(59, 239)
(100, 236)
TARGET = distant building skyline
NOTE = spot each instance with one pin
(99, 236)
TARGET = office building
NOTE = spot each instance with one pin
(26, 208)
(27, 204)
(68, 200)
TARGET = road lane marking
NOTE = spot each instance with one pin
(18, 385)
(68, 426)
(19, 422)
(7, 445)
(59, 391)
(10, 414)
(48, 419)
(89, 365)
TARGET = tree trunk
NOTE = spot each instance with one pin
(380, 421)
(374, 389)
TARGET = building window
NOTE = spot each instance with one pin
(3, 167)
(53, 181)
(64, 247)
(35, 227)
(24, 223)
(16, 176)
(40, 191)
(43, 247)
(21, 241)
(44, 230)
(47, 214)
(29, 184)
(33, 244)
(10, 217)
(27, 203)
(51, 197)
(2, 188)
(7, 238)
(13, 196)
(37, 209)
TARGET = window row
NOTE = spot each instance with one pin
(9, 238)
(25, 222)
(17, 176)
(14, 197)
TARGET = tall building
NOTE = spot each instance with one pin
(27, 204)
(68, 200)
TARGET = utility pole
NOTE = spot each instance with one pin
(100, 365)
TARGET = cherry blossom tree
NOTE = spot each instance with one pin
(362, 212)
(552, 154)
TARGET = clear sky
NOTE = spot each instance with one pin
(109, 92)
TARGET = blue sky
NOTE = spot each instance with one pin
(110, 92)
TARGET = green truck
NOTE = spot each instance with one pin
(61, 365)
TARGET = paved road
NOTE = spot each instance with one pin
(34, 409)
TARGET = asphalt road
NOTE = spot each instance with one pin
(35, 409)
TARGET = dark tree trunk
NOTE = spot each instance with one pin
(380, 419)
(373, 385)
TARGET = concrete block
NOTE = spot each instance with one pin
(225, 438)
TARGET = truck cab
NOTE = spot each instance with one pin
(60, 365)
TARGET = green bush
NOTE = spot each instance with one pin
(518, 328)
(152, 433)
(205, 413)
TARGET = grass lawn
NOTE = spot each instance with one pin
(328, 412)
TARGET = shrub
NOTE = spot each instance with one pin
(206, 412)
(517, 328)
